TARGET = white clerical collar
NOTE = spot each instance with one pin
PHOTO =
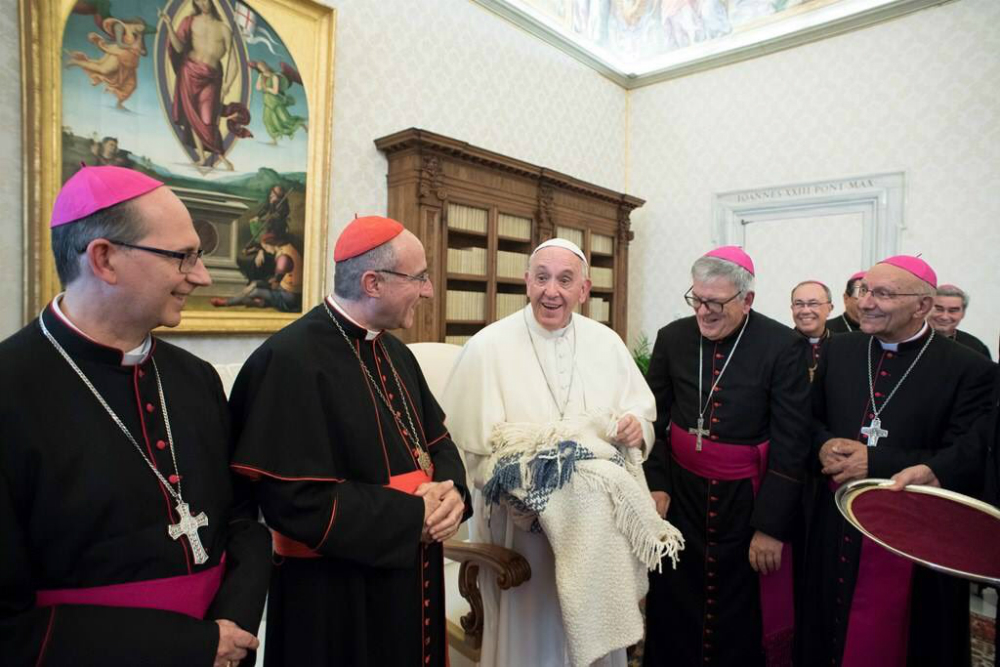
(894, 347)
(539, 330)
(815, 340)
(130, 358)
(369, 333)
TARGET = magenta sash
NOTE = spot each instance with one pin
(719, 460)
(878, 624)
(189, 594)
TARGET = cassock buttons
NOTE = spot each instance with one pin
(150, 407)
(889, 355)
(173, 479)
(142, 373)
(160, 444)
(427, 603)
(884, 373)
(427, 660)
(719, 355)
(715, 372)
(878, 394)
(427, 642)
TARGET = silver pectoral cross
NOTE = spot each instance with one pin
(189, 525)
(700, 431)
(874, 431)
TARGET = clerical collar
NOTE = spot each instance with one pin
(814, 339)
(369, 333)
(538, 330)
(894, 347)
(131, 358)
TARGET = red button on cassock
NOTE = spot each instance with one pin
(160, 444)
(150, 407)
(173, 479)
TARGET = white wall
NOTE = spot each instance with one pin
(919, 94)
(448, 66)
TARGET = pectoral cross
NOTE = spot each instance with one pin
(700, 431)
(424, 459)
(874, 431)
(189, 525)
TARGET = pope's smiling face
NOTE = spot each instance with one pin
(556, 285)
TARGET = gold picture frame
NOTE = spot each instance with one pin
(303, 28)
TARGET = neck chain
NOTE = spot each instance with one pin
(701, 430)
(188, 524)
(874, 430)
(847, 324)
(419, 451)
(572, 373)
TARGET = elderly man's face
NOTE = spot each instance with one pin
(714, 321)
(810, 308)
(402, 293)
(555, 286)
(947, 314)
(887, 309)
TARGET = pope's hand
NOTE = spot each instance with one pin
(629, 432)
(662, 500)
(765, 553)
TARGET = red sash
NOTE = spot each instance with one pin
(286, 546)
(189, 594)
(719, 460)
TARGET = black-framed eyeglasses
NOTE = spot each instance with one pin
(883, 295)
(714, 307)
(188, 259)
(421, 277)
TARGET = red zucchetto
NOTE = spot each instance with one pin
(95, 188)
(363, 234)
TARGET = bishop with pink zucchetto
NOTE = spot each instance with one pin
(727, 469)
(894, 398)
(125, 539)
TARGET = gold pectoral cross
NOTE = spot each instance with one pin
(424, 459)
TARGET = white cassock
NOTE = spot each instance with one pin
(499, 378)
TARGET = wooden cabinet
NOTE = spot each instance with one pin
(480, 214)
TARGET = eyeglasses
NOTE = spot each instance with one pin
(799, 305)
(883, 295)
(188, 259)
(714, 307)
(421, 277)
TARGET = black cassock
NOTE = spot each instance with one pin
(80, 508)
(707, 612)
(929, 421)
(973, 343)
(323, 446)
(842, 324)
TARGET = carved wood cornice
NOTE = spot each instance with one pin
(428, 143)
(431, 178)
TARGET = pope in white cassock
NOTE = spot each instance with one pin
(541, 365)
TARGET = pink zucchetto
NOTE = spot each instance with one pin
(858, 274)
(95, 188)
(734, 254)
(914, 265)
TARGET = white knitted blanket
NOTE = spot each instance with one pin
(591, 500)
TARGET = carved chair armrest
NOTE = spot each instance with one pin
(510, 567)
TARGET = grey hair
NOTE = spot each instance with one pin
(826, 290)
(347, 272)
(713, 268)
(952, 290)
(584, 266)
(69, 241)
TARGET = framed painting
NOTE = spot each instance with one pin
(228, 102)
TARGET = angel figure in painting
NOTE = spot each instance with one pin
(118, 65)
(278, 120)
(202, 53)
